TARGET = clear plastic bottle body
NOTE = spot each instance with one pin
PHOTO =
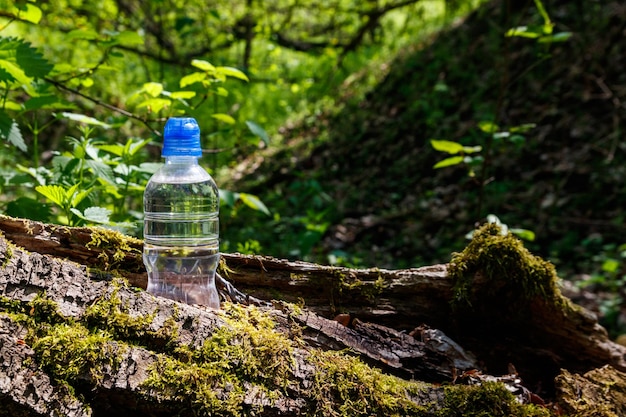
(181, 232)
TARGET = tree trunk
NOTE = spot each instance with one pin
(76, 340)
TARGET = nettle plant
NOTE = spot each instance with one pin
(94, 181)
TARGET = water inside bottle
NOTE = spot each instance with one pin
(185, 274)
(181, 245)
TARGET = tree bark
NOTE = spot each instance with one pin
(405, 322)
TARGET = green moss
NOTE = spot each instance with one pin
(345, 386)
(44, 310)
(109, 314)
(8, 254)
(9, 305)
(115, 247)
(69, 350)
(508, 269)
(490, 399)
(247, 351)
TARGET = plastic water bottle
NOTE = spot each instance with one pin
(181, 223)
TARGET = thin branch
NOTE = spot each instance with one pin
(101, 103)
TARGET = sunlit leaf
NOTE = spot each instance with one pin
(525, 234)
(88, 34)
(532, 32)
(15, 71)
(195, 77)
(253, 202)
(226, 118)
(446, 146)
(203, 65)
(117, 149)
(472, 149)
(455, 160)
(232, 72)
(258, 131)
(183, 95)
(77, 197)
(155, 105)
(94, 214)
(28, 12)
(85, 119)
(153, 89)
(221, 91)
(54, 193)
(488, 127)
(12, 105)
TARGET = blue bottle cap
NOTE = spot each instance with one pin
(181, 137)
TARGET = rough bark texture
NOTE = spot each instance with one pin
(421, 324)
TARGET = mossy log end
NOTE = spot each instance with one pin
(79, 337)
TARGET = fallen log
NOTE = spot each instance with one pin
(473, 316)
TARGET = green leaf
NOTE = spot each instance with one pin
(525, 32)
(117, 149)
(54, 193)
(226, 118)
(258, 131)
(15, 137)
(74, 197)
(183, 94)
(557, 37)
(28, 12)
(135, 146)
(221, 91)
(523, 128)
(472, 149)
(228, 197)
(29, 208)
(94, 214)
(155, 105)
(150, 167)
(488, 127)
(203, 65)
(129, 38)
(525, 234)
(446, 146)
(100, 169)
(195, 77)
(31, 61)
(10, 131)
(253, 202)
(153, 89)
(6, 76)
(232, 72)
(455, 160)
(46, 102)
(85, 119)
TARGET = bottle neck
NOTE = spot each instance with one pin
(181, 160)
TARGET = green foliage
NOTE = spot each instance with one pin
(607, 278)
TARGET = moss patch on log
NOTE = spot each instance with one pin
(500, 267)
(116, 249)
